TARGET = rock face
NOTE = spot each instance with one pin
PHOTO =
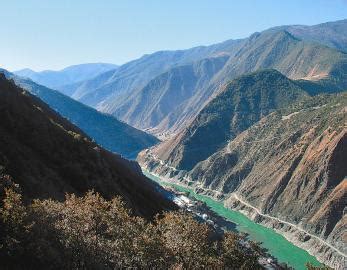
(105, 129)
(290, 165)
(48, 156)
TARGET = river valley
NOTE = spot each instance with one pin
(277, 246)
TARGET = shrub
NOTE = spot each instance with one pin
(91, 233)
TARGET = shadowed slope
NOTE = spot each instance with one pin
(48, 156)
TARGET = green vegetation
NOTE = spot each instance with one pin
(91, 233)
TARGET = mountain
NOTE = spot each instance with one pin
(171, 91)
(106, 130)
(137, 73)
(332, 34)
(69, 75)
(48, 156)
(299, 55)
(242, 103)
(293, 57)
(286, 171)
(173, 98)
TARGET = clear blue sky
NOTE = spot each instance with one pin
(52, 34)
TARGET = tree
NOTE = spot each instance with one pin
(90, 232)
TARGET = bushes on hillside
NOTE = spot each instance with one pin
(91, 233)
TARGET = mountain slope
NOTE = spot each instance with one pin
(106, 130)
(243, 102)
(290, 165)
(171, 91)
(47, 156)
(72, 74)
(294, 58)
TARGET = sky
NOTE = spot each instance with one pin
(53, 34)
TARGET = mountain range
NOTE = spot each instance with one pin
(331, 34)
(195, 75)
(69, 75)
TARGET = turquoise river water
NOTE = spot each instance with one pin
(276, 244)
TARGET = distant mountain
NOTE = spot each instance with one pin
(171, 91)
(243, 102)
(294, 58)
(48, 156)
(173, 98)
(106, 130)
(136, 74)
(289, 165)
(332, 34)
(69, 75)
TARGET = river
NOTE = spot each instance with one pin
(276, 244)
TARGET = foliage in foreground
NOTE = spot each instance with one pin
(92, 233)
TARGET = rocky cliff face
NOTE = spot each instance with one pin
(290, 166)
(48, 156)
